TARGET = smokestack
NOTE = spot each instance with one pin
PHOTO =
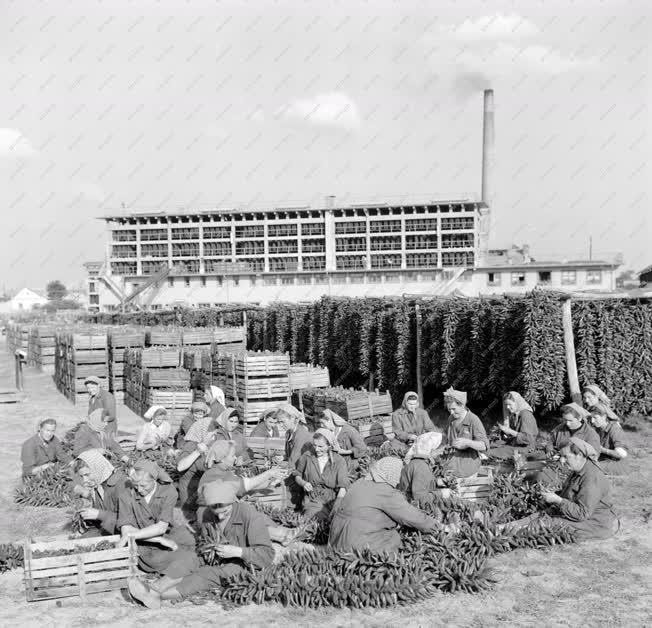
(488, 156)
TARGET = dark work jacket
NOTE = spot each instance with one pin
(526, 426)
(404, 423)
(297, 443)
(36, 452)
(261, 431)
(349, 438)
(417, 479)
(86, 439)
(464, 463)
(106, 401)
(561, 435)
(108, 503)
(246, 528)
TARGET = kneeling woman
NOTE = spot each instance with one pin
(322, 474)
(372, 509)
(246, 545)
(575, 424)
(146, 512)
(584, 503)
(348, 442)
(519, 427)
(612, 438)
(417, 479)
(93, 434)
(156, 434)
(102, 485)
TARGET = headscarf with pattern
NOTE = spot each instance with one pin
(292, 411)
(455, 395)
(387, 470)
(200, 429)
(337, 420)
(151, 468)
(604, 400)
(521, 404)
(101, 469)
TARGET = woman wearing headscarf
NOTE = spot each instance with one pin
(267, 426)
(146, 513)
(92, 434)
(612, 438)
(227, 427)
(410, 421)
(465, 436)
(102, 484)
(246, 546)
(322, 474)
(298, 441)
(348, 442)
(372, 509)
(519, 427)
(43, 449)
(584, 503)
(214, 397)
(198, 410)
(593, 395)
(156, 433)
(575, 423)
(101, 399)
(417, 479)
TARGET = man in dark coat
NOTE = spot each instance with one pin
(100, 398)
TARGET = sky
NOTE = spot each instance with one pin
(111, 107)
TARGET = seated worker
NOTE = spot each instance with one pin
(198, 410)
(348, 442)
(519, 427)
(267, 426)
(146, 512)
(593, 395)
(417, 479)
(246, 545)
(227, 427)
(584, 504)
(371, 510)
(575, 423)
(410, 421)
(43, 449)
(101, 485)
(465, 436)
(322, 474)
(298, 441)
(214, 398)
(101, 399)
(156, 433)
(93, 435)
(612, 438)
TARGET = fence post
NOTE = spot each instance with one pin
(569, 345)
(244, 325)
(417, 315)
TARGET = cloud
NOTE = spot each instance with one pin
(498, 26)
(333, 109)
(14, 144)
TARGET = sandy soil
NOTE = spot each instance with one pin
(606, 583)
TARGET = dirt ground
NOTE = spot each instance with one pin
(604, 583)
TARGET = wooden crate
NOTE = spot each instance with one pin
(257, 364)
(86, 370)
(166, 378)
(277, 496)
(262, 448)
(258, 388)
(381, 426)
(88, 341)
(87, 356)
(251, 411)
(126, 338)
(77, 574)
(308, 376)
(169, 399)
(164, 337)
(158, 357)
(477, 487)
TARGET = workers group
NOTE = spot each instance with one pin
(209, 448)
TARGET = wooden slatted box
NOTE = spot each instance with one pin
(263, 448)
(77, 574)
(477, 487)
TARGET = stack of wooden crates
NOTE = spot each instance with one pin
(119, 340)
(41, 348)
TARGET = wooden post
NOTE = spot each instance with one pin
(244, 324)
(569, 345)
(221, 319)
(417, 314)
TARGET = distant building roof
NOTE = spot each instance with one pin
(550, 265)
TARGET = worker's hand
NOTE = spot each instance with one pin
(550, 498)
(308, 487)
(238, 462)
(41, 468)
(228, 551)
(125, 459)
(90, 513)
(461, 443)
(202, 448)
(336, 446)
(411, 438)
(124, 538)
(169, 543)
(82, 491)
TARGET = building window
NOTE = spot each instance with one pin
(202, 280)
(359, 226)
(339, 278)
(314, 263)
(343, 262)
(269, 281)
(374, 278)
(153, 234)
(421, 224)
(91, 286)
(593, 276)
(283, 263)
(457, 241)
(386, 261)
(255, 264)
(123, 268)
(236, 281)
(219, 281)
(457, 259)
(568, 277)
(279, 231)
(217, 265)
(185, 249)
(94, 299)
(518, 279)
(217, 233)
(357, 278)
(186, 282)
(124, 236)
(123, 251)
(154, 250)
(203, 305)
(421, 241)
(283, 246)
(420, 260)
(312, 228)
(493, 279)
(252, 280)
(466, 275)
(187, 266)
(350, 244)
(250, 231)
(287, 281)
(393, 278)
(251, 247)
(305, 280)
(217, 248)
(313, 246)
(171, 282)
(385, 226)
(452, 224)
(185, 233)
(545, 278)
(321, 279)
(386, 243)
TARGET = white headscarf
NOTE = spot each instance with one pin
(424, 445)
(218, 394)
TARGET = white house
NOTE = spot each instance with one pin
(25, 300)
